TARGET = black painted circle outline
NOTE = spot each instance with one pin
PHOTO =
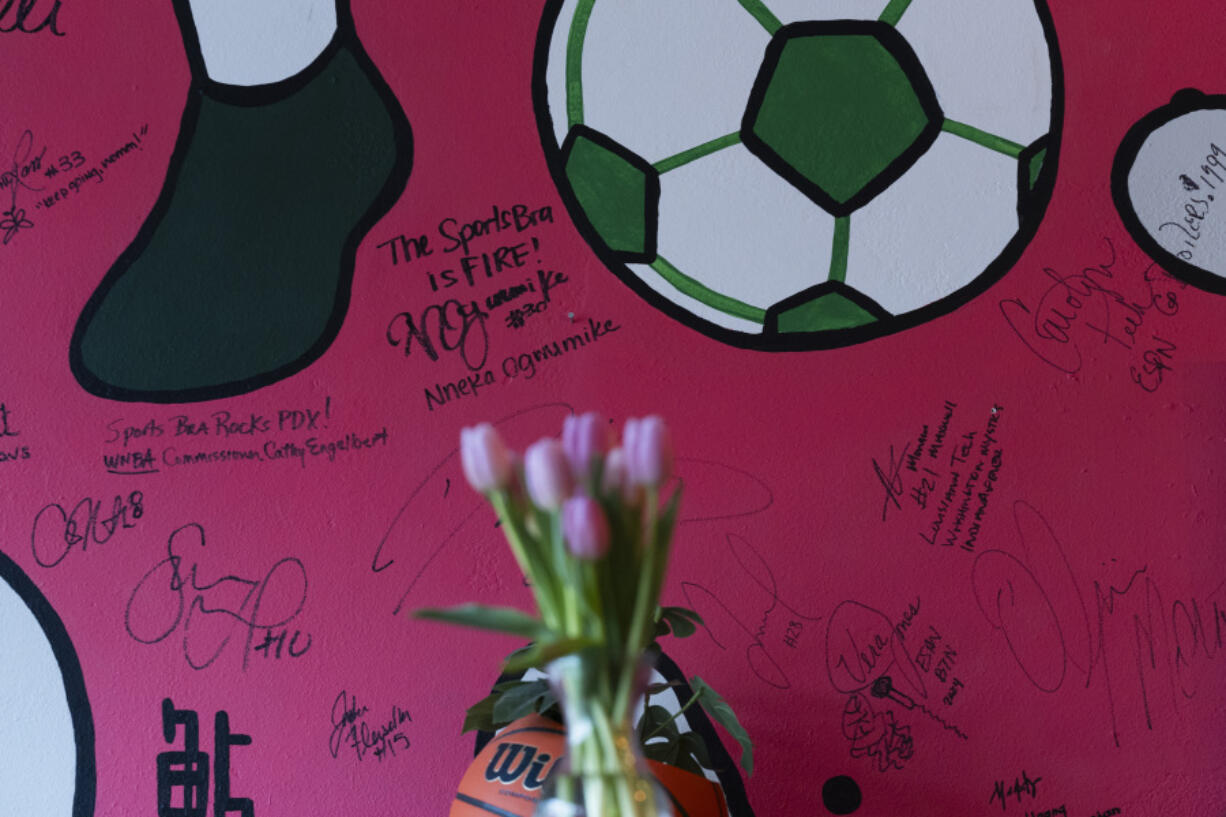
(1183, 102)
(1030, 212)
(85, 791)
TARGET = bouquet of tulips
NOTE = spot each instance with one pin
(591, 531)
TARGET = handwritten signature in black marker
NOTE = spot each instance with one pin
(1088, 298)
(1035, 600)
(14, 220)
(715, 612)
(876, 735)
(1026, 785)
(348, 726)
(173, 597)
(20, 20)
(862, 644)
(345, 714)
(883, 687)
(57, 531)
(451, 324)
(890, 478)
(24, 165)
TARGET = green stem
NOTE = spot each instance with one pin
(693, 700)
(612, 764)
(519, 543)
(643, 601)
(568, 582)
(607, 789)
(601, 773)
(610, 622)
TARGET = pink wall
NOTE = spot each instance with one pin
(1082, 624)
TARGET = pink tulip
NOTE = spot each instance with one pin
(584, 437)
(585, 528)
(613, 480)
(486, 461)
(649, 451)
(630, 441)
(547, 473)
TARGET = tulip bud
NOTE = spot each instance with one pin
(613, 481)
(584, 437)
(616, 481)
(486, 461)
(547, 473)
(585, 528)
(649, 451)
(630, 434)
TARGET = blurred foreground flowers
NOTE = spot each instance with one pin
(587, 523)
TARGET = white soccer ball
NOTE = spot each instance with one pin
(799, 174)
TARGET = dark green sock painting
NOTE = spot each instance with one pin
(241, 275)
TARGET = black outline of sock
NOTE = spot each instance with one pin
(201, 86)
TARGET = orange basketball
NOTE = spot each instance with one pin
(696, 796)
(507, 776)
(509, 773)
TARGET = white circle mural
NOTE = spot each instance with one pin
(1169, 186)
(46, 738)
(793, 174)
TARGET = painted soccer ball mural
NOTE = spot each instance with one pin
(794, 174)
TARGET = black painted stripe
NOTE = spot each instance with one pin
(484, 806)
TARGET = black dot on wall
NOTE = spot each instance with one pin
(841, 795)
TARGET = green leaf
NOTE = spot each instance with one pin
(719, 709)
(498, 619)
(693, 744)
(481, 715)
(683, 621)
(524, 698)
(685, 750)
(686, 758)
(662, 751)
(542, 652)
(515, 656)
(653, 718)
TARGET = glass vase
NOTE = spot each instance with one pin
(603, 773)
